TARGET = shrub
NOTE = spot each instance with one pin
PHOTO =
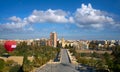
(15, 68)
(2, 64)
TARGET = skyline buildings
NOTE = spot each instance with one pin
(53, 41)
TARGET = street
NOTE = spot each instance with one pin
(63, 66)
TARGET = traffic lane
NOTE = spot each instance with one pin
(64, 56)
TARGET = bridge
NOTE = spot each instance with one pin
(63, 66)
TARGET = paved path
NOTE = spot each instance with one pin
(63, 66)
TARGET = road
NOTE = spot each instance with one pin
(63, 66)
(64, 57)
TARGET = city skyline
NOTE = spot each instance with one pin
(79, 19)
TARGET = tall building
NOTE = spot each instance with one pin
(63, 42)
(53, 39)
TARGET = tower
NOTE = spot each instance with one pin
(53, 39)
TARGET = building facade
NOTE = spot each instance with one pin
(53, 39)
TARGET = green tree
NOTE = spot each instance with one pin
(83, 60)
(8, 65)
(100, 66)
(108, 60)
(94, 54)
(116, 59)
(2, 50)
(27, 67)
(37, 62)
(15, 68)
(2, 64)
(93, 45)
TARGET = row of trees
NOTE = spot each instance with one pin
(41, 55)
(106, 61)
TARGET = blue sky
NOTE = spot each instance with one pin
(71, 19)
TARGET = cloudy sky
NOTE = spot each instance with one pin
(71, 19)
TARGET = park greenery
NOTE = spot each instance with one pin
(41, 54)
(100, 62)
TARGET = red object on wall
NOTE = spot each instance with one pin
(10, 45)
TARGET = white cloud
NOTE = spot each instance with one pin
(96, 25)
(15, 19)
(53, 16)
(13, 25)
(86, 16)
(71, 20)
(30, 29)
(38, 16)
